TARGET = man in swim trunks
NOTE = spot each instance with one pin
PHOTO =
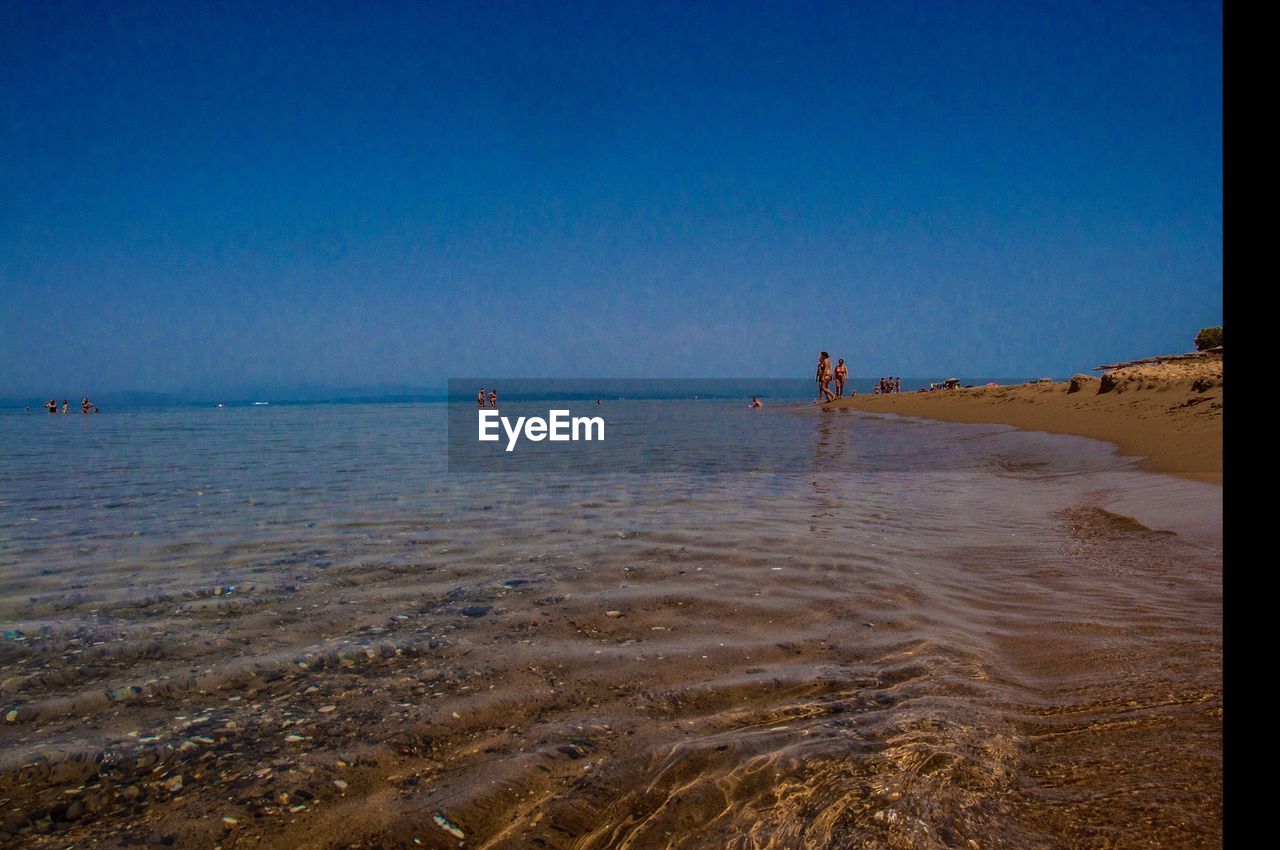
(842, 375)
(493, 398)
(480, 398)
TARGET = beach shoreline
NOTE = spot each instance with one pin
(237, 650)
(1168, 415)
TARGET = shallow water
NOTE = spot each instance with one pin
(929, 636)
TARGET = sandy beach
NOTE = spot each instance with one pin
(348, 500)
(1168, 414)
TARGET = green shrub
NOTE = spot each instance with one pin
(1208, 338)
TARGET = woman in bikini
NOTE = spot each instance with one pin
(824, 377)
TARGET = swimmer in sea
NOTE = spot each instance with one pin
(755, 402)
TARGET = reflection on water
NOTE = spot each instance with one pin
(828, 464)
(290, 627)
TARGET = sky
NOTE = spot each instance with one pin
(221, 196)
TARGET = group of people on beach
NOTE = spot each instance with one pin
(826, 374)
(490, 400)
(86, 406)
(888, 385)
(840, 376)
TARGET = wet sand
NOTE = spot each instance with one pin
(1168, 415)
(979, 658)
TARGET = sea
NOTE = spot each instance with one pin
(281, 625)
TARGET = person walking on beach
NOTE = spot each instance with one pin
(480, 398)
(824, 377)
(493, 398)
(842, 375)
(897, 385)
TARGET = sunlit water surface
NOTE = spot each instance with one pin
(922, 635)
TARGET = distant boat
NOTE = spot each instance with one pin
(262, 402)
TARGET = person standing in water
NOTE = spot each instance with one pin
(493, 398)
(480, 398)
(824, 377)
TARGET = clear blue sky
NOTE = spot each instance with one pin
(247, 194)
